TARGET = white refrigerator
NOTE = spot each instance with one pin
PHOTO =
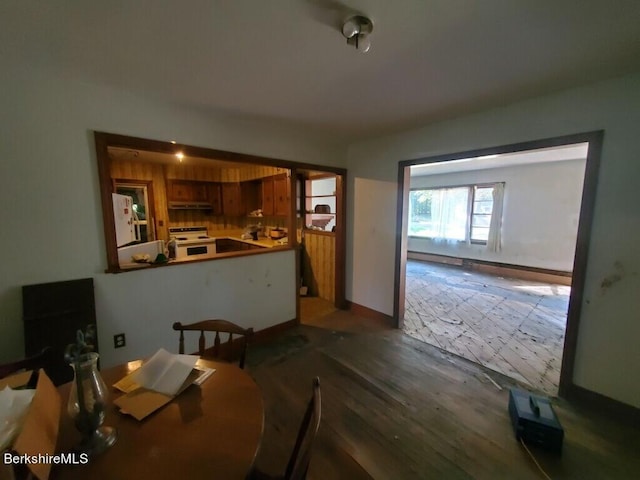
(125, 220)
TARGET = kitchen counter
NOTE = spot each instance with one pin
(236, 235)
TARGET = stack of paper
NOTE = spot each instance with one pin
(158, 381)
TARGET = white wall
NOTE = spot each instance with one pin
(254, 291)
(540, 217)
(607, 357)
(51, 221)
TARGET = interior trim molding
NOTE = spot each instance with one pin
(267, 333)
(496, 268)
(603, 405)
(370, 313)
(595, 139)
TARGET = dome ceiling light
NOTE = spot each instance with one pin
(356, 29)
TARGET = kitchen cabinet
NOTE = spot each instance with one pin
(224, 245)
(251, 195)
(276, 193)
(232, 200)
(215, 198)
(281, 195)
(187, 191)
(267, 196)
(194, 195)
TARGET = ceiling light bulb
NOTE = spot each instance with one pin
(350, 28)
(364, 44)
(361, 42)
(356, 30)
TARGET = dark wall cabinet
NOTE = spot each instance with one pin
(276, 193)
(187, 191)
(232, 200)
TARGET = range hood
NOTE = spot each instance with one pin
(190, 205)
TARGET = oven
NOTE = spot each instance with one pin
(193, 242)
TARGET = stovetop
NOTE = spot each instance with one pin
(190, 234)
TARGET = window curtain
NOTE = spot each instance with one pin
(494, 242)
(449, 214)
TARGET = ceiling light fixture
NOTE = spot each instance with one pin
(356, 29)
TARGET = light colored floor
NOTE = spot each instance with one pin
(515, 327)
(314, 308)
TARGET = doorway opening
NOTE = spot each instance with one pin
(320, 206)
(142, 197)
(492, 254)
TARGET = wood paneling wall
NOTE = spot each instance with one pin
(319, 261)
(253, 172)
(165, 218)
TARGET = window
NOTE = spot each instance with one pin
(481, 213)
(460, 214)
(320, 203)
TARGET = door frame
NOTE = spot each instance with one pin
(340, 232)
(592, 167)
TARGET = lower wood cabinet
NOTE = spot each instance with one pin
(224, 245)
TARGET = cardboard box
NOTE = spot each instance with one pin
(39, 432)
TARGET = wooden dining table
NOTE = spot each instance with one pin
(208, 431)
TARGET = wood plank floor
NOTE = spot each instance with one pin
(394, 408)
(515, 327)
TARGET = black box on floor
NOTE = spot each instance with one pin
(534, 420)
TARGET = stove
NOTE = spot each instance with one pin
(193, 242)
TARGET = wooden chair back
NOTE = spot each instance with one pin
(225, 351)
(34, 362)
(301, 456)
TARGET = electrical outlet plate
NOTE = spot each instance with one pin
(119, 340)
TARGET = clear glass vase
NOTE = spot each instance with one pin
(87, 405)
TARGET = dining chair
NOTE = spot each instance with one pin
(34, 362)
(301, 455)
(218, 350)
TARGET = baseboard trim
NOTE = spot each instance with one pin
(370, 313)
(429, 257)
(602, 405)
(503, 269)
(268, 333)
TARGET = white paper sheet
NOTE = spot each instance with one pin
(14, 405)
(165, 372)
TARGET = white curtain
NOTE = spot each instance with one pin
(494, 242)
(449, 214)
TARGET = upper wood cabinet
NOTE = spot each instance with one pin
(267, 196)
(215, 198)
(281, 195)
(251, 195)
(276, 193)
(187, 191)
(232, 200)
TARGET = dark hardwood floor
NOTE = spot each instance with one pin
(396, 408)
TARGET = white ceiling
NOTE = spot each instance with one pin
(576, 151)
(286, 60)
